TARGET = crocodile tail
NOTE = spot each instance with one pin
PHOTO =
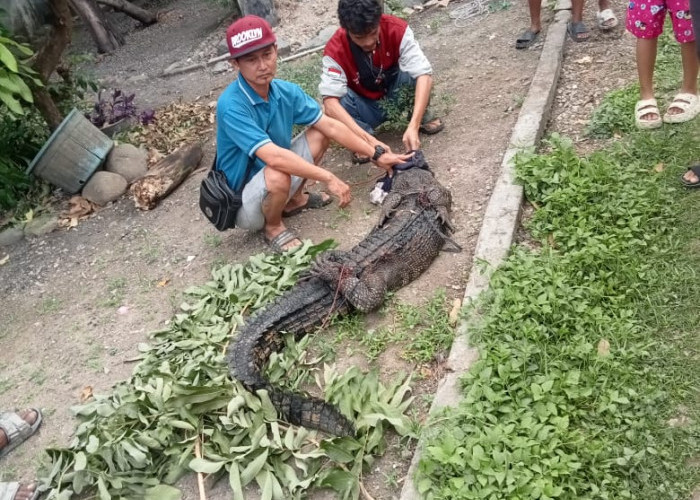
(310, 412)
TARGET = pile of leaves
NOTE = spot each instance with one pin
(176, 124)
(575, 392)
(181, 412)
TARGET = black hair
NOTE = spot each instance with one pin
(359, 16)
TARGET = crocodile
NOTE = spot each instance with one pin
(413, 226)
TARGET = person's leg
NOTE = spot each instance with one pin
(528, 37)
(366, 112)
(686, 102)
(646, 59)
(691, 177)
(311, 145)
(605, 15)
(576, 29)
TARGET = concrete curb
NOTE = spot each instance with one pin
(500, 220)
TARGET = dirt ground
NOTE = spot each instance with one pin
(75, 303)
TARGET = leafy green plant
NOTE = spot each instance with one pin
(180, 412)
(431, 331)
(15, 74)
(581, 368)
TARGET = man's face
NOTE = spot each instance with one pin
(367, 42)
(259, 67)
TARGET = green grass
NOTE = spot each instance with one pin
(548, 411)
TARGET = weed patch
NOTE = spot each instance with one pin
(588, 345)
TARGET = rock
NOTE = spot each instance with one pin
(261, 8)
(41, 225)
(221, 67)
(411, 3)
(323, 36)
(104, 187)
(10, 236)
(222, 47)
(128, 161)
(284, 48)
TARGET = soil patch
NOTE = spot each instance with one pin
(77, 302)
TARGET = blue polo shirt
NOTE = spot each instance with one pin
(246, 122)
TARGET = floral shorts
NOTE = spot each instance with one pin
(645, 18)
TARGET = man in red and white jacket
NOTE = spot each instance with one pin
(369, 58)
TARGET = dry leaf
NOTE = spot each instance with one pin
(454, 313)
(659, 167)
(86, 393)
(5, 259)
(603, 347)
(163, 282)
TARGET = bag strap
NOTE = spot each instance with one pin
(247, 170)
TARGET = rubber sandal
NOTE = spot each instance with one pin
(606, 19)
(315, 201)
(692, 185)
(277, 243)
(432, 129)
(17, 429)
(689, 106)
(526, 40)
(575, 30)
(646, 107)
(8, 491)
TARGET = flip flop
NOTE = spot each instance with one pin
(527, 39)
(606, 19)
(277, 243)
(692, 185)
(315, 201)
(575, 30)
(432, 129)
(8, 491)
(17, 429)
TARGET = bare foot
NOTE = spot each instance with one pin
(28, 416)
(25, 491)
(691, 177)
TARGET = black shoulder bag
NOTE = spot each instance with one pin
(218, 201)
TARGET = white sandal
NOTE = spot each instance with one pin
(689, 106)
(604, 18)
(647, 107)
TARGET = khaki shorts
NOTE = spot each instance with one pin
(250, 215)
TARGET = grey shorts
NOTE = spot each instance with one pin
(250, 215)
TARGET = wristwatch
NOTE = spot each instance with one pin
(378, 151)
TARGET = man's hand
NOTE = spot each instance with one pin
(411, 140)
(388, 160)
(341, 190)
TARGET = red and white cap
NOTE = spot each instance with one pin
(248, 34)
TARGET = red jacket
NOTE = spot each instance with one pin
(385, 56)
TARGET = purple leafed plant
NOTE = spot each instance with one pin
(115, 106)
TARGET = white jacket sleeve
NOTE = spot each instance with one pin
(411, 57)
(334, 83)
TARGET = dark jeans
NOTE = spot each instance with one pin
(368, 113)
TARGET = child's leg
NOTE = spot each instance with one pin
(646, 59)
(690, 68)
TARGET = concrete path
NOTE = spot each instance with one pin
(501, 219)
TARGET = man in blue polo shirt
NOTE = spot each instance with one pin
(255, 149)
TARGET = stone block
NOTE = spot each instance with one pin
(128, 161)
(104, 187)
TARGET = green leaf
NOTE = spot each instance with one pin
(205, 466)
(234, 479)
(80, 461)
(7, 58)
(12, 103)
(163, 492)
(254, 467)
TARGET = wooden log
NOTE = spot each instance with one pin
(165, 176)
(145, 16)
(104, 35)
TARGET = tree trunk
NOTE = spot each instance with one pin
(165, 176)
(145, 16)
(106, 38)
(48, 57)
